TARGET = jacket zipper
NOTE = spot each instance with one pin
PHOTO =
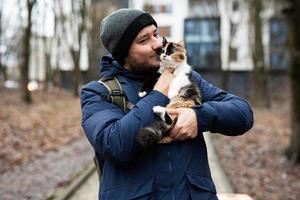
(171, 175)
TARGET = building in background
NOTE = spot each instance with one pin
(217, 35)
(217, 32)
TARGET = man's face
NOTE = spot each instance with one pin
(143, 52)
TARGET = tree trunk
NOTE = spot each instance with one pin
(56, 71)
(260, 90)
(25, 93)
(57, 35)
(48, 71)
(47, 46)
(93, 44)
(98, 10)
(47, 58)
(2, 69)
(293, 14)
(76, 72)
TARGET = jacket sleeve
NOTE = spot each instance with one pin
(110, 131)
(221, 112)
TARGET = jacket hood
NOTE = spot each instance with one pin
(110, 67)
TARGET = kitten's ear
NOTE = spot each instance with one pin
(181, 43)
(164, 41)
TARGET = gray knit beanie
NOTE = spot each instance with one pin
(119, 29)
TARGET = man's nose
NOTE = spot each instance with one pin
(157, 44)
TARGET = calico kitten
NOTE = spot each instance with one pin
(182, 93)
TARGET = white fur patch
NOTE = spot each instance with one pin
(181, 80)
(142, 94)
(181, 74)
(160, 111)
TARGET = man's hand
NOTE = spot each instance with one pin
(186, 126)
(164, 81)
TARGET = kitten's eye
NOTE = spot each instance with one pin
(170, 49)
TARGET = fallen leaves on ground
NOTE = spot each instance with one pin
(255, 162)
(27, 131)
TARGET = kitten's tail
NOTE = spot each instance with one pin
(151, 135)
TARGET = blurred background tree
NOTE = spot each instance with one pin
(97, 11)
(25, 56)
(2, 68)
(292, 12)
(260, 96)
(74, 29)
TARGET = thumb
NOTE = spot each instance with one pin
(169, 70)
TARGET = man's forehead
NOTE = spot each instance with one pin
(147, 30)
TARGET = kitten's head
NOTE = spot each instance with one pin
(172, 54)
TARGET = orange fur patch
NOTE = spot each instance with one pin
(181, 104)
(178, 57)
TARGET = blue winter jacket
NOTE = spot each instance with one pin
(178, 170)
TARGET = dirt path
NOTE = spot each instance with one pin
(36, 179)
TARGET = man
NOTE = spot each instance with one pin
(178, 170)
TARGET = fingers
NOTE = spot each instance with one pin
(164, 82)
(180, 133)
(168, 70)
(172, 111)
(186, 125)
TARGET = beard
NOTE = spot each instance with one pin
(146, 65)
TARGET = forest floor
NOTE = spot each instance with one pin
(43, 146)
(28, 131)
(255, 162)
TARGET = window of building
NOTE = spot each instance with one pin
(233, 29)
(235, 5)
(167, 8)
(279, 57)
(202, 40)
(164, 31)
(148, 8)
(233, 57)
(158, 8)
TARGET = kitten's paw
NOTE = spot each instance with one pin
(142, 94)
(160, 111)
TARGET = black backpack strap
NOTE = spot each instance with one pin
(116, 96)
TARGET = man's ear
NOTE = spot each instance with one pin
(164, 41)
(181, 43)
